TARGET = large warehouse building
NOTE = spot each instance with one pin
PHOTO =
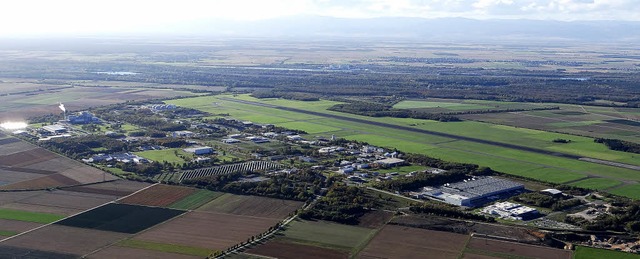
(474, 192)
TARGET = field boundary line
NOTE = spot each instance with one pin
(268, 235)
(72, 215)
(131, 236)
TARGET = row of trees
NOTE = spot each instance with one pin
(373, 109)
(620, 145)
(556, 203)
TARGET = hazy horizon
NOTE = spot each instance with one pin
(77, 18)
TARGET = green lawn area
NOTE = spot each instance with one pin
(583, 252)
(596, 183)
(327, 234)
(5, 233)
(29, 216)
(168, 155)
(169, 248)
(631, 191)
(404, 169)
(195, 200)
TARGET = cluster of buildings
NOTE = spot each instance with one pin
(83, 118)
(120, 157)
(473, 192)
(510, 210)
(161, 107)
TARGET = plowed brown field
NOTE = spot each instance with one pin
(159, 195)
(213, 230)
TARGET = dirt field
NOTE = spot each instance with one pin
(404, 242)
(8, 149)
(160, 195)
(66, 199)
(18, 252)
(58, 164)
(115, 188)
(252, 206)
(62, 239)
(10, 176)
(375, 219)
(294, 251)
(127, 252)
(122, 218)
(449, 225)
(207, 230)
(25, 158)
(10, 197)
(7, 140)
(44, 182)
(17, 226)
(510, 248)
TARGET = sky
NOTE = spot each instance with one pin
(26, 17)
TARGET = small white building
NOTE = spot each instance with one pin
(55, 128)
(199, 150)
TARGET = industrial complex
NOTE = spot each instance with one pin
(473, 192)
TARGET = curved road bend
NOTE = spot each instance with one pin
(441, 134)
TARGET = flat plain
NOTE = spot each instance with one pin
(517, 162)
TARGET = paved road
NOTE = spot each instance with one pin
(440, 134)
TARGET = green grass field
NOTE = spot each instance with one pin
(326, 234)
(537, 166)
(196, 200)
(29, 216)
(168, 248)
(404, 169)
(5, 233)
(583, 252)
(596, 183)
(631, 191)
(164, 155)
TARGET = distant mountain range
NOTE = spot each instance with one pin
(442, 29)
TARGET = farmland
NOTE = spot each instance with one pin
(291, 251)
(229, 230)
(168, 248)
(252, 206)
(159, 195)
(28, 216)
(28, 167)
(326, 234)
(57, 202)
(121, 218)
(503, 248)
(402, 242)
(195, 200)
(65, 240)
(583, 252)
(117, 251)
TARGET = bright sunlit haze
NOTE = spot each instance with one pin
(43, 17)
